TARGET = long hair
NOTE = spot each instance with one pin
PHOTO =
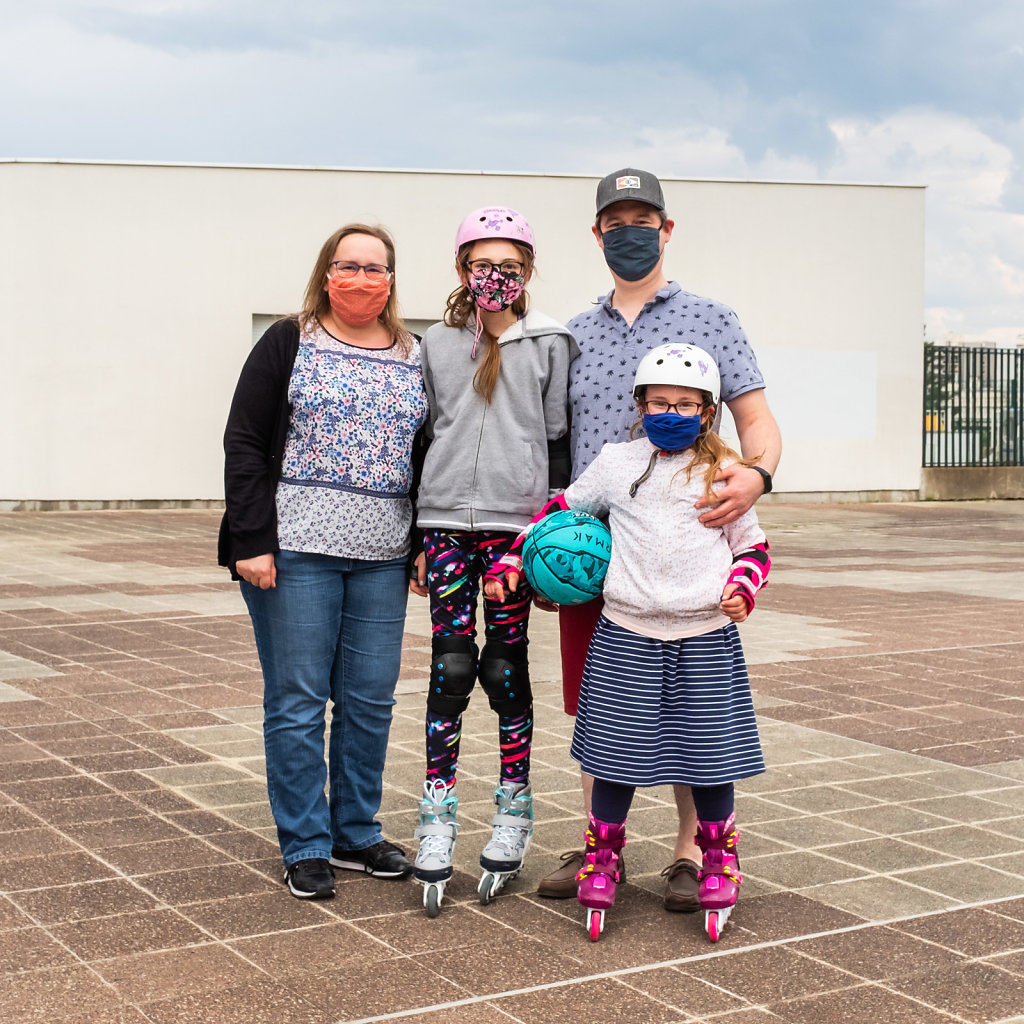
(709, 450)
(316, 304)
(460, 307)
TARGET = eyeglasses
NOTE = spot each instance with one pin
(657, 406)
(484, 268)
(373, 271)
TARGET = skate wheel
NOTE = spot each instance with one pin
(432, 900)
(595, 924)
(711, 925)
(485, 890)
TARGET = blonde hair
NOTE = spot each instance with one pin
(709, 450)
(316, 305)
(460, 307)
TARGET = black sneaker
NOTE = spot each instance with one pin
(310, 879)
(382, 860)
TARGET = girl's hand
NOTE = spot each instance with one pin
(494, 590)
(734, 605)
(544, 604)
(506, 572)
(418, 583)
(259, 571)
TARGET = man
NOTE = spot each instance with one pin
(644, 310)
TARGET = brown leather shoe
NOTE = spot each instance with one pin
(560, 884)
(681, 885)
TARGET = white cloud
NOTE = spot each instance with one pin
(949, 153)
(1011, 278)
(974, 246)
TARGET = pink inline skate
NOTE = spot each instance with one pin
(720, 877)
(600, 872)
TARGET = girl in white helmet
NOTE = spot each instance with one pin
(496, 376)
(665, 698)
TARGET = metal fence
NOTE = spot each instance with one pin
(972, 406)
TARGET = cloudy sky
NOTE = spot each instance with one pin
(905, 91)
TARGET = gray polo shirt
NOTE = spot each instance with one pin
(601, 377)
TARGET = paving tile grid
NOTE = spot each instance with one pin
(883, 851)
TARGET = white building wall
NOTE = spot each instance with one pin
(128, 293)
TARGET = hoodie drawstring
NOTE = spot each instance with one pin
(635, 485)
(476, 337)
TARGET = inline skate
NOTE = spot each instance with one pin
(600, 874)
(438, 826)
(720, 877)
(502, 857)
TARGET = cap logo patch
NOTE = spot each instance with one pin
(627, 181)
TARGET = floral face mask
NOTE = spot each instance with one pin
(495, 292)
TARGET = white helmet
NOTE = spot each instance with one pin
(685, 366)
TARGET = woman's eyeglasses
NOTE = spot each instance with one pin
(373, 271)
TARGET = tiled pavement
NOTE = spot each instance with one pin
(883, 850)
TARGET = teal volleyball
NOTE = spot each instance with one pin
(565, 557)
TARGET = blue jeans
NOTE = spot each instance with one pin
(330, 630)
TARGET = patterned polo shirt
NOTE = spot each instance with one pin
(601, 377)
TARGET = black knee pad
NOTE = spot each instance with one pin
(505, 677)
(453, 662)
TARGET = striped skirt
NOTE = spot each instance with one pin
(660, 712)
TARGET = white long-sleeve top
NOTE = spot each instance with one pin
(667, 570)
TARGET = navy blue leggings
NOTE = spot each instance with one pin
(611, 801)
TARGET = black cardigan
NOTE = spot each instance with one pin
(254, 440)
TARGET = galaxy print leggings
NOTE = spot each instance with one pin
(456, 563)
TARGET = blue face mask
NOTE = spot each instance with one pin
(671, 433)
(632, 252)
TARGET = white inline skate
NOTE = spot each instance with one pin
(502, 857)
(438, 825)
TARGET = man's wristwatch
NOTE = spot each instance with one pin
(766, 476)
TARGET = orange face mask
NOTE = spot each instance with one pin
(357, 301)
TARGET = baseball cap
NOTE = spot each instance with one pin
(629, 183)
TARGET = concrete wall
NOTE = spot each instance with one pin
(960, 483)
(128, 293)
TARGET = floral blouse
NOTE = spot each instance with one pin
(347, 469)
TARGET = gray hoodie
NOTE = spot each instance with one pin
(487, 466)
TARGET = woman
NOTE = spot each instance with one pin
(318, 471)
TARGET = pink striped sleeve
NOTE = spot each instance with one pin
(750, 572)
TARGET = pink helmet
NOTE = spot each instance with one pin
(493, 222)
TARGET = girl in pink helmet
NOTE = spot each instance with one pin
(496, 376)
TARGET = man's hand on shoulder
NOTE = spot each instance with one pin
(742, 487)
(759, 439)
